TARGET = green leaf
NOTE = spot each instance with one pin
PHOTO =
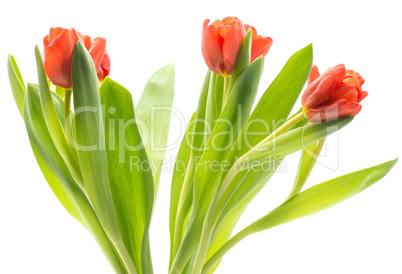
(276, 103)
(279, 98)
(214, 103)
(90, 139)
(179, 174)
(246, 178)
(324, 195)
(268, 153)
(53, 122)
(251, 184)
(242, 60)
(129, 172)
(201, 131)
(227, 127)
(307, 161)
(196, 138)
(16, 83)
(153, 112)
(58, 176)
(310, 201)
(241, 98)
(294, 140)
(90, 135)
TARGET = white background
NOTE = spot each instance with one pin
(361, 235)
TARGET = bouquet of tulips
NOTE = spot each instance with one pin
(102, 157)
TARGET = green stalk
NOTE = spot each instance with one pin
(226, 247)
(125, 256)
(288, 124)
(300, 181)
(225, 96)
(232, 172)
(212, 214)
(203, 248)
(105, 244)
(68, 124)
(67, 104)
(180, 216)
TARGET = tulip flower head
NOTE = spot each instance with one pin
(58, 53)
(334, 94)
(221, 42)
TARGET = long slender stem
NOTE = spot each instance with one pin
(232, 172)
(298, 185)
(68, 122)
(181, 214)
(226, 247)
(288, 124)
(67, 104)
(203, 247)
(213, 213)
(125, 257)
(225, 90)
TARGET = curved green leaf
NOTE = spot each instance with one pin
(231, 120)
(53, 123)
(129, 171)
(310, 201)
(307, 162)
(243, 59)
(16, 83)
(179, 173)
(153, 112)
(59, 178)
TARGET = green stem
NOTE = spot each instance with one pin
(225, 185)
(107, 246)
(183, 208)
(67, 104)
(125, 256)
(288, 124)
(203, 247)
(226, 247)
(212, 215)
(299, 182)
(232, 172)
(68, 123)
(225, 96)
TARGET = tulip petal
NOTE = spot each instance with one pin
(344, 91)
(231, 45)
(320, 90)
(54, 32)
(260, 47)
(314, 74)
(211, 45)
(58, 55)
(339, 109)
(97, 51)
(104, 69)
(87, 42)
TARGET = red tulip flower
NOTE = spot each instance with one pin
(221, 42)
(334, 94)
(58, 53)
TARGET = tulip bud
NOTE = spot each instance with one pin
(221, 42)
(334, 94)
(58, 53)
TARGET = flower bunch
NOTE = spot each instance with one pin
(229, 151)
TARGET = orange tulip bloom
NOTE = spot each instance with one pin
(221, 42)
(58, 53)
(334, 94)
